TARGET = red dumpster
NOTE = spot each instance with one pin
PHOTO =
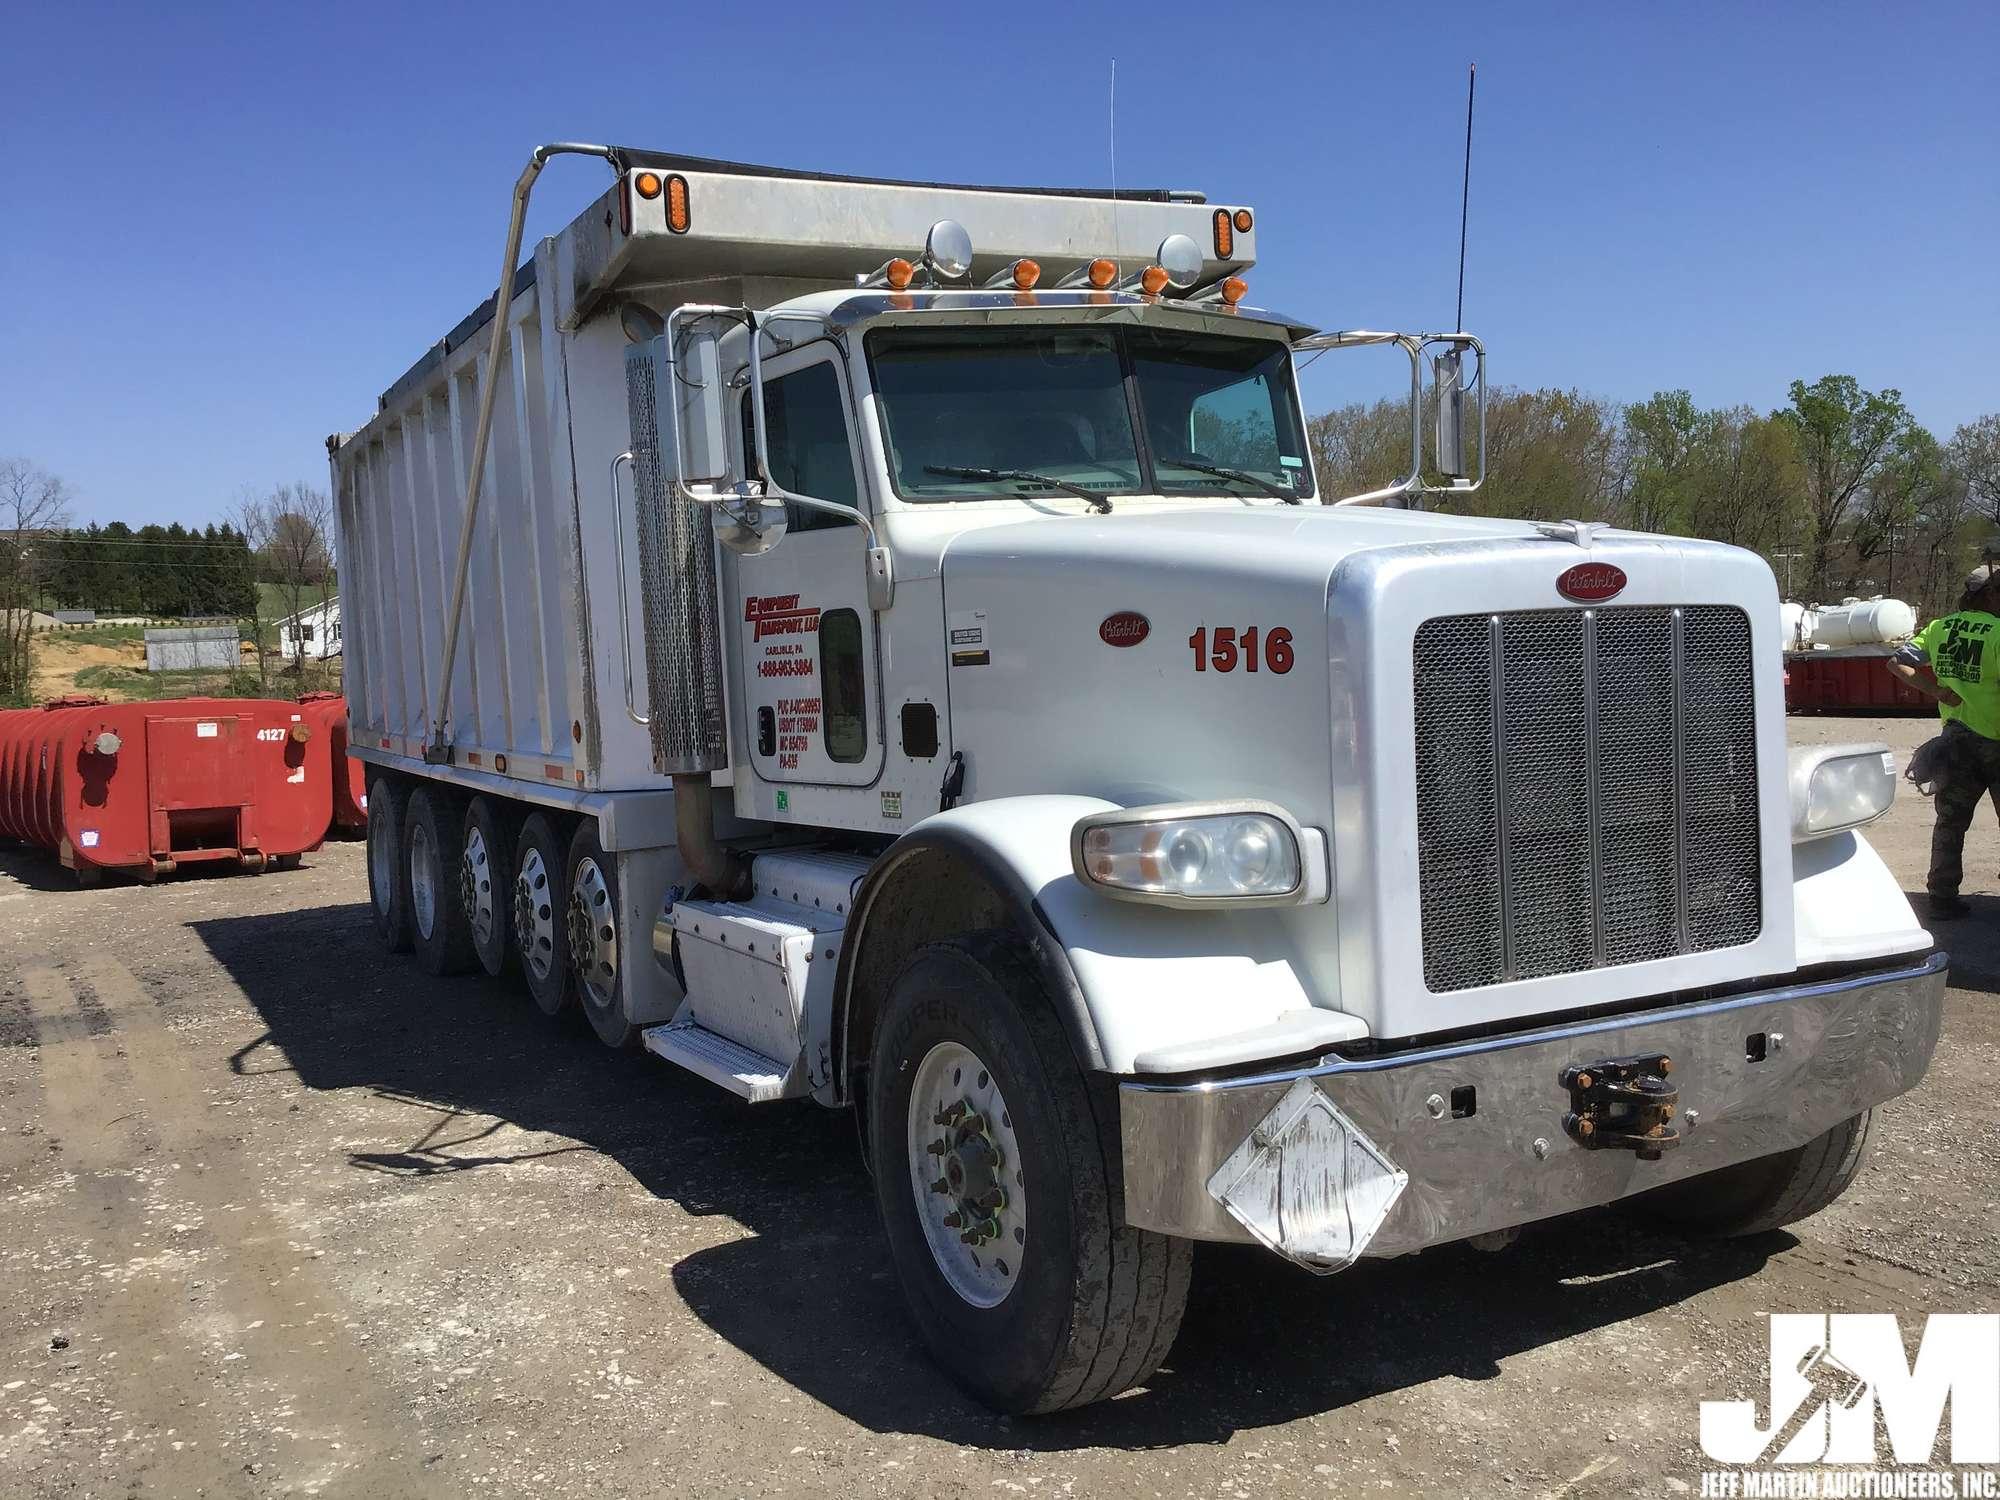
(327, 713)
(1855, 680)
(147, 787)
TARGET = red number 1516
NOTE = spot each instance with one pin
(1227, 651)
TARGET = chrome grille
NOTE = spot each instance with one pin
(1586, 788)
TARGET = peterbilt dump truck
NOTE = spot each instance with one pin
(884, 643)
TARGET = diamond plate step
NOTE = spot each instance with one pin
(746, 1074)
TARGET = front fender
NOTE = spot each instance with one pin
(1147, 989)
(1848, 905)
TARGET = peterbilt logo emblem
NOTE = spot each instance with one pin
(1126, 628)
(1590, 582)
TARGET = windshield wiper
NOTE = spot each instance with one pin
(952, 471)
(1242, 475)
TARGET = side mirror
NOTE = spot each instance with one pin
(699, 398)
(1446, 376)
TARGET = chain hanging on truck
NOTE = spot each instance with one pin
(1624, 1104)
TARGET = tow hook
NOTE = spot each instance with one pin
(1623, 1103)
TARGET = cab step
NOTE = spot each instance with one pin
(745, 1073)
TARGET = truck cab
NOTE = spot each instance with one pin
(977, 716)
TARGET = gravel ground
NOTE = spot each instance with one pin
(278, 1216)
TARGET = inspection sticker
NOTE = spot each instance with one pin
(204, 731)
(88, 838)
(892, 804)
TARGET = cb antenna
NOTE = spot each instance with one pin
(1114, 164)
(1465, 191)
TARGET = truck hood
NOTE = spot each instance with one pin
(1270, 654)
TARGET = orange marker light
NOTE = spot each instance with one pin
(1103, 272)
(1153, 280)
(1233, 290)
(1026, 274)
(1225, 237)
(647, 184)
(1243, 221)
(678, 213)
(898, 274)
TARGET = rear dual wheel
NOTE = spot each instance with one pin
(538, 916)
(485, 890)
(593, 930)
(434, 831)
(388, 871)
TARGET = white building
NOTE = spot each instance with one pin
(311, 632)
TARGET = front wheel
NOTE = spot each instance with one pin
(991, 1178)
(1754, 1197)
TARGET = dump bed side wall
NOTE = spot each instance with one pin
(538, 676)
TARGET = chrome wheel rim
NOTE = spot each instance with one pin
(423, 879)
(381, 863)
(593, 933)
(534, 915)
(475, 885)
(966, 1175)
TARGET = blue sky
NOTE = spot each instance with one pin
(224, 229)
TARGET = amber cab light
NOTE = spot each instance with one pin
(1026, 274)
(1103, 271)
(1233, 289)
(1243, 221)
(1153, 280)
(647, 184)
(1225, 237)
(898, 274)
(678, 213)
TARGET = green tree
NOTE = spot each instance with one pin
(1845, 435)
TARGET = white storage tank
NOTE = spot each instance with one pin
(1864, 622)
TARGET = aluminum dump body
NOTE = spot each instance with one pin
(144, 788)
(548, 698)
(327, 713)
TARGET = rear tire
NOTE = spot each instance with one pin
(434, 832)
(596, 949)
(388, 869)
(1057, 1304)
(540, 859)
(485, 886)
(1755, 1197)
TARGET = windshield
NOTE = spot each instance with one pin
(1048, 404)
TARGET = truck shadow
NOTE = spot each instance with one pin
(808, 1292)
(1972, 941)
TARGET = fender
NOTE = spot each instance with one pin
(1141, 989)
(1847, 904)
(995, 886)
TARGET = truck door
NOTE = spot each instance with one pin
(812, 690)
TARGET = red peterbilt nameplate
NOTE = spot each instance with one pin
(1126, 628)
(1591, 582)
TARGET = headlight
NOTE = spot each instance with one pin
(1837, 787)
(1200, 853)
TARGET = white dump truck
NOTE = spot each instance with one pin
(884, 643)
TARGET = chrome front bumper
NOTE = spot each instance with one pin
(1831, 1049)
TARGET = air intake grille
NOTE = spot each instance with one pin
(1586, 790)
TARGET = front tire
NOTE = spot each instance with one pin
(980, 1125)
(388, 869)
(594, 931)
(1755, 1197)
